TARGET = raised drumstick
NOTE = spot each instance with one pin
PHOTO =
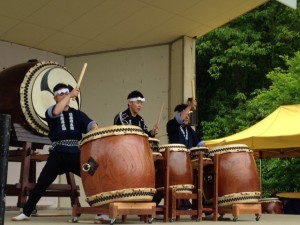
(193, 91)
(80, 78)
(81, 75)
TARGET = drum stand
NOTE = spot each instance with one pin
(27, 143)
(242, 208)
(162, 165)
(196, 197)
(115, 209)
(197, 194)
(213, 167)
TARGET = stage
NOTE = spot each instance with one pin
(62, 217)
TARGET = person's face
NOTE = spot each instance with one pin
(135, 107)
(60, 96)
(187, 120)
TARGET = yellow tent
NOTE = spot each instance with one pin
(276, 136)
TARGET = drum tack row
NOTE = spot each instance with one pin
(118, 165)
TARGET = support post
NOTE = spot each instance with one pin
(4, 147)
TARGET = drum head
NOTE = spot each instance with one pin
(173, 147)
(36, 94)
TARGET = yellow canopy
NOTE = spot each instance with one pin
(277, 135)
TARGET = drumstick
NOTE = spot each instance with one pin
(162, 107)
(221, 143)
(193, 91)
(81, 75)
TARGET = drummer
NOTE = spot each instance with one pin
(66, 126)
(131, 115)
(179, 129)
(180, 132)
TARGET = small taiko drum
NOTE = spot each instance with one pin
(271, 206)
(194, 152)
(181, 171)
(238, 176)
(154, 145)
(117, 165)
(26, 92)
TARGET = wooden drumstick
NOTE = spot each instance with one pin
(81, 75)
(193, 91)
(221, 143)
(162, 107)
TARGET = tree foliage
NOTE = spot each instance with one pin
(232, 63)
(245, 70)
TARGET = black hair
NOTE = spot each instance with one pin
(135, 94)
(180, 107)
(62, 85)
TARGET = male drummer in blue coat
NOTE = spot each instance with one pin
(179, 130)
(66, 126)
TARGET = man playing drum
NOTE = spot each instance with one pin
(180, 132)
(131, 115)
(178, 129)
(66, 126)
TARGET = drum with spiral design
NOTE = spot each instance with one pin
(117, 165)
(26, 92)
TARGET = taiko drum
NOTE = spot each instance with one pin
(238, 176)
(26, 92)
(181, 171)
(271, 206)
(154, 145)
(117, 165)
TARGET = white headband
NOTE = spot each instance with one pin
(136, 99)
(61, 91)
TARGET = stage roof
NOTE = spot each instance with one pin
(76, 27)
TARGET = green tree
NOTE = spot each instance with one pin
(232, 62)
(245, 70)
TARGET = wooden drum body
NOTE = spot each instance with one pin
(238, 176)
(26, 92)
(117, 165)
(271, 206)
(181, 171)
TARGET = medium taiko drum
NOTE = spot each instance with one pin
(194, 152)
(181, 171)
(117, 165)
(238, 176)
(26, 92)
(271, 206)
(154, 145)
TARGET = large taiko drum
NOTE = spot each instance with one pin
(238, 176)
(117, 165)
(181, 171)
(271, 206)
(26, 92)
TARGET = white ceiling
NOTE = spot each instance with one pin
(75, 27)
